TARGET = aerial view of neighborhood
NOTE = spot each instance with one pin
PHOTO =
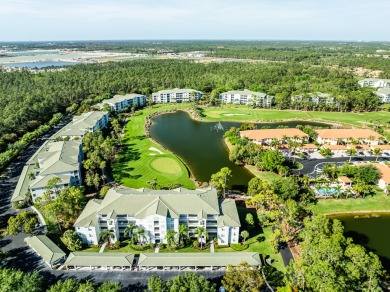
(179, 158)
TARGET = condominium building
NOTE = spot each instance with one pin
(375, 82)
(157, 211)
(246, 97)
(384, 181)
(384, 94)
(344, 136)
(121, 102)
(87, 122)
(313, 98)
(61, 160)
(176, 95)
(58, 159)
(267, 136)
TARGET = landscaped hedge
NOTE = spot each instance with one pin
(142, 247)
(239, 246)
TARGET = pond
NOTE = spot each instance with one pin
(40, 65)
(373, 233)
(201, 146)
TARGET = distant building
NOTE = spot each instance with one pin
(82, 124)
(266, 136)
(384, 94)
(313, 99)
(246, 97)
(157, 211)
(176, 95)
(344, 136)
(375, 82)
(122, 102)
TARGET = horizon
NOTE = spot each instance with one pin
(198, 39)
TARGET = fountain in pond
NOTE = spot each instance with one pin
(218, 127)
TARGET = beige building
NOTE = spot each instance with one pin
(266, 136)
(344, 136)
(384, 181)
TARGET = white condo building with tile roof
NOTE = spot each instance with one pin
(82, 124)
(246, 97)
(158, 211)
(176, 95)
(61, 160)
(384, 94)
(122, 102)
(375, 82)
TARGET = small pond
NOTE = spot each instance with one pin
(201, 146)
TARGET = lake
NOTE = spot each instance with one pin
(201, 146)
(40, 65)
(374, 233)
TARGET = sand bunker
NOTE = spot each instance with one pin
(156, 150)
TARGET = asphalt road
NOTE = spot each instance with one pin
(309, 165)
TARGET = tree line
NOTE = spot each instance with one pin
(29, 100)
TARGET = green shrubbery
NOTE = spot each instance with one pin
(239, 246)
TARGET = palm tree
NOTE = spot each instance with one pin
(201, 231)
(170, 237)
(107, 235)
(351, 152)
(305, 180)
(338, 189)
(377, 152)
(130, 229)
(182, 232)
(275, 143)
(140, 233)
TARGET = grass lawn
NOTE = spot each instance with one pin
(141, 160)
(260, 243)
(378, 202)
(263, 175)
(243, 113)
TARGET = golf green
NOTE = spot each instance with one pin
(165, 165)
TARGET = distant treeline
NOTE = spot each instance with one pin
(28, 100)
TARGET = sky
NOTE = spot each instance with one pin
(49, 20)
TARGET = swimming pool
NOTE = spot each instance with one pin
(330, 191)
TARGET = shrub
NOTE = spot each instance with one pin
(238, 246)
(139, 247)
(19, 205)
(116, 245)
(195, 244)
(162, 246)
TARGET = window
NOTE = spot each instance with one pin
(90, 235)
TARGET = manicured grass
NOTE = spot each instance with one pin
(165, 165)
(263, 175)
(243, 113)
(135, 166)
(261, 243)
(378, 202)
